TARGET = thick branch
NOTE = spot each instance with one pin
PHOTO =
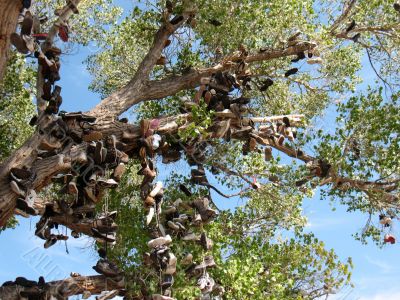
(121, 100)
(67, 287)
(129, 95)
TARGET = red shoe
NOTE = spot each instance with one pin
(389, 239)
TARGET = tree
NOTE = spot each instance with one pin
(217, 84)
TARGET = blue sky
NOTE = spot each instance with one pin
(376, 271)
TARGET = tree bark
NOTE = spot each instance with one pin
(9, 10)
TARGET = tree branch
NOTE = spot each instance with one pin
(66, 288)
(129, 95)
(120, 101)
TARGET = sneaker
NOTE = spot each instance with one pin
(150, 215)
(190, 237)
(396, 6)
(181, 219)
(389, 238)
(27, 205)
(197, 220)
(206, 283)
(75, 234)
(208, 262)
(107, 237)
(188, 259)
(157, 189)
(173, 226)
(171, 266)
(168, 281)
(72, 188)
(29, 42)
(169, 210)
(160, 241)
(50, 241)
(109, 183)
(16, 189)
(107, 268)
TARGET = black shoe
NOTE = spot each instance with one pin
(168, 281)
(25, 207)
(22, 281)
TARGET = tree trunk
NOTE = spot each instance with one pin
(9, 10)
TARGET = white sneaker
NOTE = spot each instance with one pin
(163, 240)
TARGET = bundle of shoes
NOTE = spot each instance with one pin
(43, 231)
(172, 221)
(30, 289)
(27, 41)
(101, 168)
(386, 220)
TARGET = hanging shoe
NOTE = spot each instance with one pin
(389, 238)
(27, 23)
(160, 241)
(291, 72)
(161, 61)
(119, 171)
(107, 237)
(171, 266)
(50, 242)
(157, 189)
(167, 282)
(46, 91)
(16, 189)
(187, 260)
(26, 4)
(27, 204)
(106, 268)
(190, 237)
(206, 283)
(29, 42)
(19, 43)
(205, 242)
(109, 183)
(208, 262)
(63, 32)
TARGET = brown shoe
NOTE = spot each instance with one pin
(19, 43)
